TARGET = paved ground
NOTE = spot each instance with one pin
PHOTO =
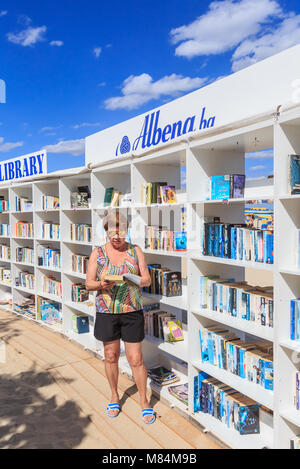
(53, 394)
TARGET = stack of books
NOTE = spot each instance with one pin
(252, 361)
(4, 205)
(164, 281)
(4, 252)
(239, 242)
(27, 307)
(163, 326)
(49, 311)
(162, 376)
(81, 198)
(79, 293)
(5, 275)
(295, 442)
(224, 403)
(112, 197)
(81, 232)
(25, 255)
(157, 193)
(4, 230)
(50, 202)
(158, 238)
(181, 392)
(26, 280)
(295, 319)
(79, 264)
(294, 174)
(228, 186)
(24, 229)
(237, 299)
(51, 285)
(23, 204)
(50, 230)
(49, 257)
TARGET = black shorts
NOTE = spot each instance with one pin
(126, 326)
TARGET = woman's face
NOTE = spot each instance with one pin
(117, 237)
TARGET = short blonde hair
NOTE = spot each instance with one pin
(115, 219)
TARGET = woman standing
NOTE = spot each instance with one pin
(119, 308)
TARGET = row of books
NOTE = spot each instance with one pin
(227, 405)
(4, 229)
(4, 252)
(26, 280)
(297, 391)
(163, 326)
(252, 361)
(5, 275)
(24, 229)
(79, 293)
(164, 281)
(237, 242)
(294, 174)
(52, 286)
(25, 255)
(295, 319)
(50, 230)
(4, 205)
(157, 193)
(160, 239)
(81, 232)
(237, 299)
(50, 202)
(227, 186)
(81, 198)
(26, 307)
(79, 263)
(112, 197)
(49, 257)
(49, 311)
(23, 204)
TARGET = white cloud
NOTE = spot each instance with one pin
(71, 147)
(49, 128)
(57, 43)
(138, 90)
(257, 168)
(102, 83)
(3, 13)
(97, 51)
(286, 35)
(85, 124)
(226, 24)
(7, 146)
(260, 155)
(28, 37)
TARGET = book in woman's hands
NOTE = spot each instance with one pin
(136, 279)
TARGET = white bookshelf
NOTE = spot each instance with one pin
(221, 153)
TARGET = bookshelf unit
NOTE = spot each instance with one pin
(221, 153)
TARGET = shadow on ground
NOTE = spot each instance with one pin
(7, 329)
(28, 420)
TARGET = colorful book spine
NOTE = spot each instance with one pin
(50, 202)
(25, 255)
(4, 252)
(52, 286)
(295, 319)
(4, 230)
(50, 231)
(24, 229)
(81, 232)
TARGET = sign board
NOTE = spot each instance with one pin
(255, 90)
(24, 167)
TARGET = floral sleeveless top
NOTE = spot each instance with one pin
(122, 298)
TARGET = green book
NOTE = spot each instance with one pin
(108, 196)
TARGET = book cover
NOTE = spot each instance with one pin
(220, 187)
(168, 194)
(173, 284)
(238, 186)
(108, 196)
(175, 331)
(180, 241)
(294, 174)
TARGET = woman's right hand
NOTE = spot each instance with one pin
(106, 285)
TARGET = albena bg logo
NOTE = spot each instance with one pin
(151, 134)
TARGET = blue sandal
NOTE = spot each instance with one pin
(146, 412)
(113, 406)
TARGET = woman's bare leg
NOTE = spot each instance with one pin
(112, 354)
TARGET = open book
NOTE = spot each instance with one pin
(136, 279)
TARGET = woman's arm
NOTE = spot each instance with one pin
(91, 282)
(146, 279)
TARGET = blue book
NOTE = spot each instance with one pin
(220, 187)
(221, 241)
(268, 371)
(294, 174)
(216, 240)
(180, 241)
(196, 394)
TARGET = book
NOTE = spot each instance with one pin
(294, 174)
(180, 241)
(168, 194)
(237, 188)
(136, 279)
(108, 196)
(220, 187)
(172, 285)
(181, 392)
(115, 198)
(295, 319)
(175, 331)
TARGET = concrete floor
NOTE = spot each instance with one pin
(54, 395)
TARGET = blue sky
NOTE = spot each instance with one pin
(75, 67)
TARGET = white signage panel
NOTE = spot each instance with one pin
(255, 90)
